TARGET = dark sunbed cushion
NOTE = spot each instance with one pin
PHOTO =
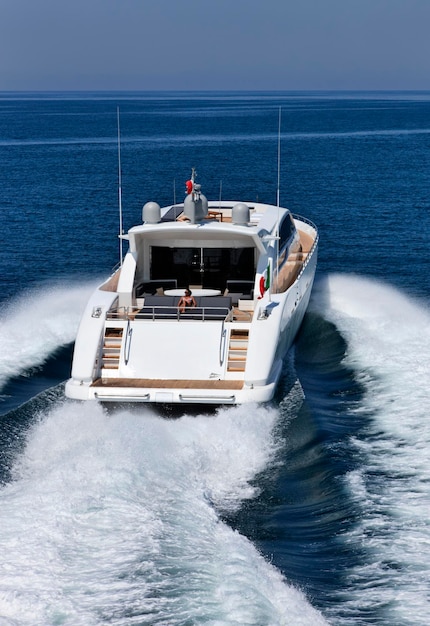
(216, 301)
(215, 307)
(160, 307)
(160, 301)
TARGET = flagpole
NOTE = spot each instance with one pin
(270, 271)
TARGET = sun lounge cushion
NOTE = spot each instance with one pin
(158, 307)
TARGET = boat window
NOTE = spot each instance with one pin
(286, 231)
(210, 267)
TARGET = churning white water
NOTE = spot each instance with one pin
(35, 324)
(115, 519)
(388, 337)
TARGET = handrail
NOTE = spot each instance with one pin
(307, 221)
(222, 343)
(127, 345)
(122, 312)
(309, 255)
(156, 312)
(166, 312)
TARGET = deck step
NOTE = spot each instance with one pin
(234, 355)
(236, 366)
(112, 348)
(113, 342)
(237, 350)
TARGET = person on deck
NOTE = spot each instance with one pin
(186, 301)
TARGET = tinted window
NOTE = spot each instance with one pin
(287, 229)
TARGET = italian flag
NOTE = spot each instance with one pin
(265, 280)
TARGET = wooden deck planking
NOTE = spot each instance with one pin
(151, 383)
(306, 240)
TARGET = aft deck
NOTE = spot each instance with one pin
(152, 383)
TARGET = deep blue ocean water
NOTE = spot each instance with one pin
(311, 510)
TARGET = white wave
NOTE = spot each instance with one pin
(388, 338)
(38, 322)
(116, 519)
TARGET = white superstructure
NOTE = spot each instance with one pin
(250, 267)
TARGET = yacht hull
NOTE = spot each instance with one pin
(269, 347)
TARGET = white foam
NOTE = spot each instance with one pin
(38, 322)
(388, 337)
(115, 519)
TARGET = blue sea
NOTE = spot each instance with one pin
(313, 509)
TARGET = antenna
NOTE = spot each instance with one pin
(279, 159)
(119, 188)
(278, 192)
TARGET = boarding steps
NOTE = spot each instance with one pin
(111, 348)
(237, 350)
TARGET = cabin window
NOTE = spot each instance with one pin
(210, 267)
(286, 231)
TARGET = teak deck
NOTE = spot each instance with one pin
(162, 383)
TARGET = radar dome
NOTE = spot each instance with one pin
(240, 214)
(151, 213)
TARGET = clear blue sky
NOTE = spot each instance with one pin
(214, 44)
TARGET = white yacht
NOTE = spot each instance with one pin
(250, 267)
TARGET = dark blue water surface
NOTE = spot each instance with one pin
(312, 509)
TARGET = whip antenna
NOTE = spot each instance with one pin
(278, 193)
(279, 160)
(119, 188)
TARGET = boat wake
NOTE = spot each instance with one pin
(35, 325)
(388, 338)
(117, 518)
